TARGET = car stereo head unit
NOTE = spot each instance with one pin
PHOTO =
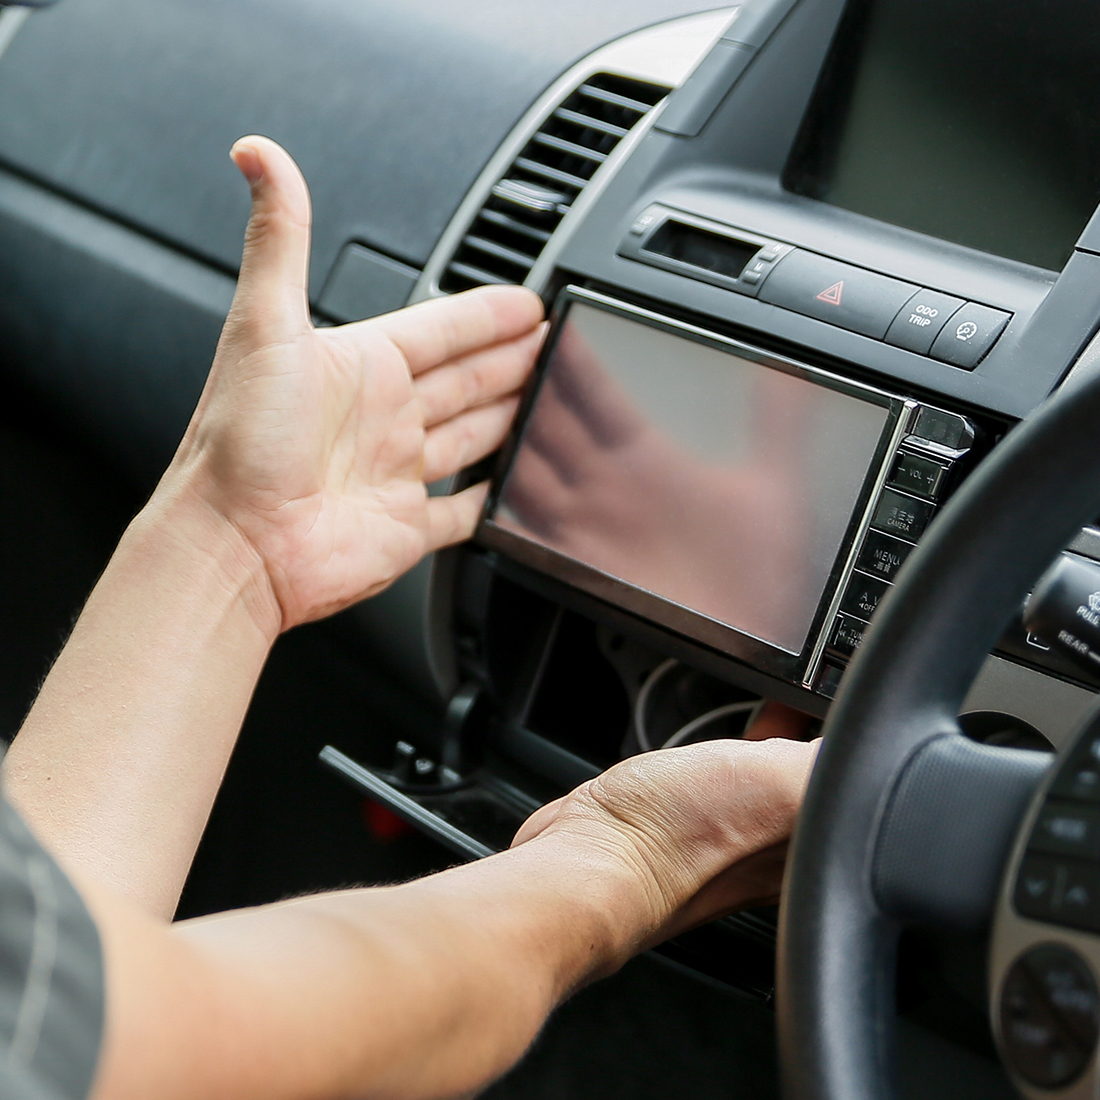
(754, 504)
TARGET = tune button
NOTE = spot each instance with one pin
(1049, 1016)
(846, 635)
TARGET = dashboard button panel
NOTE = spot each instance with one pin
(917, 476)
(843, 295)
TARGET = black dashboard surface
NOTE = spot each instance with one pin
(392, 109)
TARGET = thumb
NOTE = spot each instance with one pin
(271, 304)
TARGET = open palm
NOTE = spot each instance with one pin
(317, 444)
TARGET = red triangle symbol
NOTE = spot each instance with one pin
(832, 294)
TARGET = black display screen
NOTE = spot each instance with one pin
(978, 123)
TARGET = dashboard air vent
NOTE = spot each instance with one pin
(526, 205)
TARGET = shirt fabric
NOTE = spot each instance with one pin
(51, 974)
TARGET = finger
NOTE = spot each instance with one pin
(478, 378)
(453, 519)
(433, 332)
(466, 439)
(272, 299)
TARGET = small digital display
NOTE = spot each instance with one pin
(710, 480)
(974, 123)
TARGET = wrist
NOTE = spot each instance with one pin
(180, 530)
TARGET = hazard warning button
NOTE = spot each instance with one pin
(850, 297)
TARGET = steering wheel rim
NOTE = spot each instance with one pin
(905, 687)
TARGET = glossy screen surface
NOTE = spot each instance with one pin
(709, 480)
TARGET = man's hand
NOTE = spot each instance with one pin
(299, 488)
(314, 445)
(435, 987)
(699, 830)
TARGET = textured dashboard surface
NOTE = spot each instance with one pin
(391, 108)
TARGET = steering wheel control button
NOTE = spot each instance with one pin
(863, 595)
(943, 430)
(847, 296)
(1050, 1016)
(914, 474)
(1037, 882)
(1064, 610)
(1067, 828)
(902, 515)
(970, 334)
(921, 320)
(882, 556)
(1080, 776)
(847, 635)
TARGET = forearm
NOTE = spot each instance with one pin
(424, 990)
(119, 760)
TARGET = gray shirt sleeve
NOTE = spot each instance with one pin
(51, 974)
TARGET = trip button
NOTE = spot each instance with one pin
(1068, 830)
(843, 295)
(882, 555)
(863, 595)
(921, 320)
(915, 474)
(971, 333)
(902, 515)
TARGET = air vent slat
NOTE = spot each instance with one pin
(547, 172)
(497, 217)
(613, 98)
(478, 276)
(491, 248)
(529, 201)
(570, 147)
(591, 123)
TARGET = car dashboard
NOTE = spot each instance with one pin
(807, 262)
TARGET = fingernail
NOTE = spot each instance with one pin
(247, 159)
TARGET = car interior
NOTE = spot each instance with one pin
(823, 279)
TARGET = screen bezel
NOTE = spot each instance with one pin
(647, 605)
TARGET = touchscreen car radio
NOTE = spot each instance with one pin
(751, 503)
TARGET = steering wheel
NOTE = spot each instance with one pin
(905, 819)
